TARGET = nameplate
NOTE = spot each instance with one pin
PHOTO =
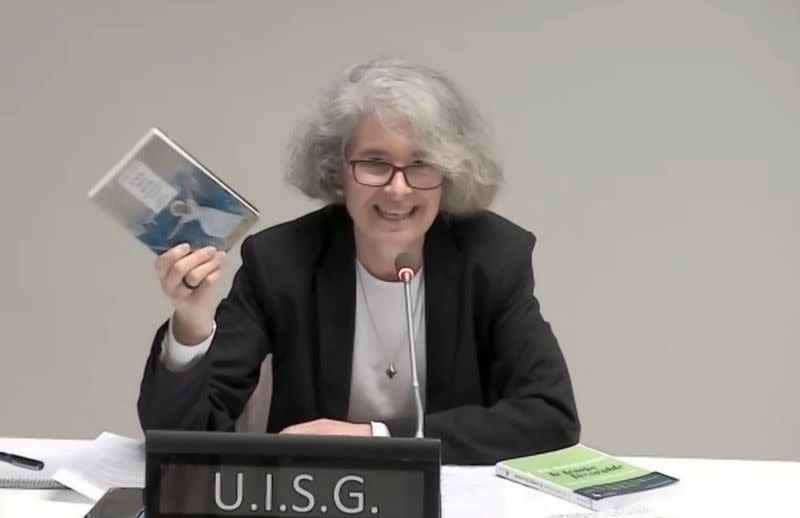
(216, 474)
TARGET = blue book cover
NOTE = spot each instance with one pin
(165, 197)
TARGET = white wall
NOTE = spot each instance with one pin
(653, 147)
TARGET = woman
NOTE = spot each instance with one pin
(400, 157)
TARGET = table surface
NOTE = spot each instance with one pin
(707, 488)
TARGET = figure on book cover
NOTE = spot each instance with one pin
(201, 214)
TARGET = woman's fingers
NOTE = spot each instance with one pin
(204, 272)
(165, 261)
(173, 279)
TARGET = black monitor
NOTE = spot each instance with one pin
(214, 474)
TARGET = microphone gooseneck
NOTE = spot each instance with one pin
(405, 266)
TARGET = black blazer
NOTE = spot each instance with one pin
(497, 383)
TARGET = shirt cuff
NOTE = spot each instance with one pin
(178, 357)
(379, 429)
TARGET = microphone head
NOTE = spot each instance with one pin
(405, 266)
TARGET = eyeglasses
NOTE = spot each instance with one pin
(377, 173)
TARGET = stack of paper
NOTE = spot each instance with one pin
(107, 462)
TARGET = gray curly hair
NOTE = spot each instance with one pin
(446, 126)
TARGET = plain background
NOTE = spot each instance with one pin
(653, 148)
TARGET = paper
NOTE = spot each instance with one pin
(43, 504)
(109, 461)
(463, 491)
(53, 452)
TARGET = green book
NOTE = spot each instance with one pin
(585, 476)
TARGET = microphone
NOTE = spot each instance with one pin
(405, 266)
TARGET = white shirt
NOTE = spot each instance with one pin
(380, 341)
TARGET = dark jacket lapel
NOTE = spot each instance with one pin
(335, 293)
(443, 267)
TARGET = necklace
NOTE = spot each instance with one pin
(391, 370)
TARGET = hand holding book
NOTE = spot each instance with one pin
(189, 279)
(183, 213)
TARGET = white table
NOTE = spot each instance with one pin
(708, 488)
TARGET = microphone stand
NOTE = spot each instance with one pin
(413, 353)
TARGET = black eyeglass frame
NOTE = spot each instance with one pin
(395, 170)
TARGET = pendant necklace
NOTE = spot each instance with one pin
(391, 370)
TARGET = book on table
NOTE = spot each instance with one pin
(587, 477)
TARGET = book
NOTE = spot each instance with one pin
(585, 476)
(165, 197)
(54, 453)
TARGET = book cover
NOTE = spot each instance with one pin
(585, 476)
(165, 197)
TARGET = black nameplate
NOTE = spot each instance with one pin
(214, 474)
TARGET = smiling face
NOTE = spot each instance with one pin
(396, 216)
